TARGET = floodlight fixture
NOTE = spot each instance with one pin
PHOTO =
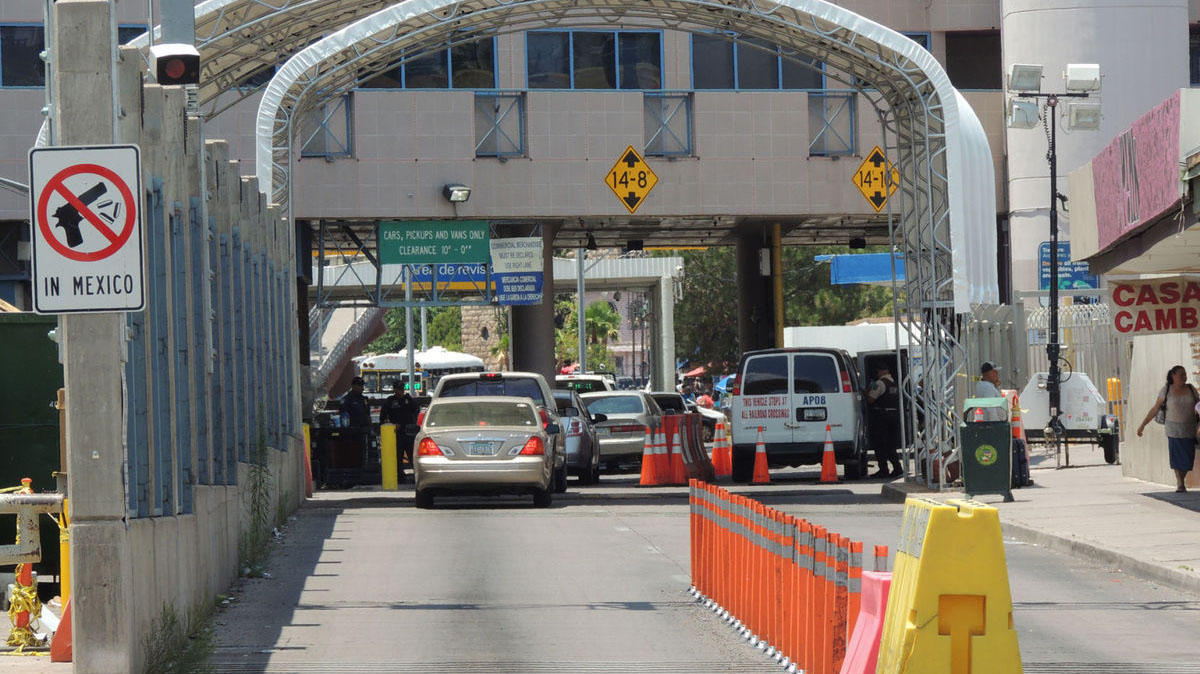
(1024, 77)
(455, 193)
(1083, 77)
(1022, 114)
(1083, 116)
(591, 242)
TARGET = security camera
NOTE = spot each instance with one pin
(175, 63)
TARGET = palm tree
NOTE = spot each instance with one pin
(602, 323)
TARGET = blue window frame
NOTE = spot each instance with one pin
(668, 123)
(21, 45)
(468, 65)
(327, 130)
(593, 59)
(832, 123)
(750, 64)
(920, 38)
(499, 124)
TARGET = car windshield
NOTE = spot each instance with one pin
(583, 385)
(477, 413)
(615, 405)
(517, 387)
(671, 403)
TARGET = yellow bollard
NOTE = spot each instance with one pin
(64, 555)
(387, 457)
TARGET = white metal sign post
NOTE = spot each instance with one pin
(86, 215)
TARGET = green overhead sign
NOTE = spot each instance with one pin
(434, 242)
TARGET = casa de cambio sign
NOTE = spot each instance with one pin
(1152, 306)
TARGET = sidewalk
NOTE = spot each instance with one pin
(1093, 511)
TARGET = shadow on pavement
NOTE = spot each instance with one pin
(1188, 500)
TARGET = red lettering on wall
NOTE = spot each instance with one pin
(1123, 321)
(1146, 295)
(1188, 321)
(1191, 292)
(1165, 319)
(1169, 292)
(1122, 295)
(1143, 322)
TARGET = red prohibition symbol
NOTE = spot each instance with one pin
(116, 239)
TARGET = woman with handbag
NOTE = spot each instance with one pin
(1174, 409)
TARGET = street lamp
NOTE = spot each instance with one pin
(1024, 85)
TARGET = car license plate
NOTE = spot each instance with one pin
(480, 449)
(814, 414)
(603, 432)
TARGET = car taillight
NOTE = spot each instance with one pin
(491, 376)
(737, 388)
(629, 428)
(420, 417)
(533, 447)
(428, 448)
(545, 416)
(845, 381)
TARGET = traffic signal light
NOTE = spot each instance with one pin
(175, 63)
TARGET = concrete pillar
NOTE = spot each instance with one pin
(664, 371)
(93, 355)
(756, 325)
(532, 335)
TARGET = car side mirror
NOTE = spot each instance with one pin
(597, 418)
(553, 429)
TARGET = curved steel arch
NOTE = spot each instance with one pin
(946, 190)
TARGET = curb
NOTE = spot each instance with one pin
(896, 492)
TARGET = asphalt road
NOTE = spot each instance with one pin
(366, 583)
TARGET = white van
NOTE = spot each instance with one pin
(792, 394)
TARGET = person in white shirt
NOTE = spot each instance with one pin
(989, 387)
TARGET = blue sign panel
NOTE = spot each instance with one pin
(1071, 275)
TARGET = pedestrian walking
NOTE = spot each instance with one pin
(883, 421)
(1175, 409)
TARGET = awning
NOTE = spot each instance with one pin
(696, 372)
(862, 268)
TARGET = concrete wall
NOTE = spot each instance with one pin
(1146, 457)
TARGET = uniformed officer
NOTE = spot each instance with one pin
(884, 421)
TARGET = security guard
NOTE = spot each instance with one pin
(884, 421)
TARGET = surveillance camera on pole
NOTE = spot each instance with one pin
(175, 63)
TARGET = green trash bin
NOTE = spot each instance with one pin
(986, 448)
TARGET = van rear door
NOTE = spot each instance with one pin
(821, 394)
(763, 399)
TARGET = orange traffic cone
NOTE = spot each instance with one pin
(722, 457)
(678, 470)
(762, 475)
(828, 460)
(649, 461)
(60, 645)
(662, 458)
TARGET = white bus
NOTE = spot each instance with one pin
(381, 371)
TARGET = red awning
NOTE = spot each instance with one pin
(695, 372)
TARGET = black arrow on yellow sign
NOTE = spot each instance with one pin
(877, 158)
(632, 200)
(877, 199)
(630, 160)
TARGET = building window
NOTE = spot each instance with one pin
(592, 59)
(470, 65)
(831, 123)
(1194, 55)
(922, 39)
(973, 59)
(668, 123)
(326, 130)
(499, 125)
(20, 46)
(750, 64)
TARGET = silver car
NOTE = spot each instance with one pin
(629, 414)
(490, 444)
(583, 451)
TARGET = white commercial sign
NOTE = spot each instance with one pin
(517, 266)
(85, 210)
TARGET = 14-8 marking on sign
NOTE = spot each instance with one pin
(631, 179)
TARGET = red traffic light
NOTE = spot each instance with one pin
(174, 68)
(174, 64)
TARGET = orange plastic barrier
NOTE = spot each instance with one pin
(863, 653)
(61, 645)
(789, 587)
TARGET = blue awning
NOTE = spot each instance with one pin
(862, 268)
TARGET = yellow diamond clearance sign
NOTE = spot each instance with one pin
(631, 179)
(869, 179)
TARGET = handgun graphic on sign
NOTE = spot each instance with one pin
(69, 218)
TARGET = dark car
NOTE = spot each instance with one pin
(583, 449)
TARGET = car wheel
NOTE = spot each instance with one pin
(595, 472)
(543, 498)
(424, 499)
(743, 466)
(590, 473)
(560, 479)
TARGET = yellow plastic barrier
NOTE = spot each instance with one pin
(387, 457)
(949, 609)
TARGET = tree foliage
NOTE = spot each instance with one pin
(444, 328)
(601, 326)
(706, 314)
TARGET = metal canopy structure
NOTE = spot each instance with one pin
(945, 219)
